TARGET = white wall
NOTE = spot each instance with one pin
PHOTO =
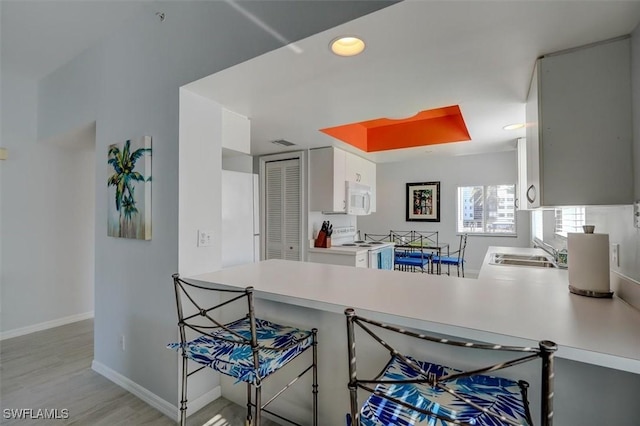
(47, 218)
(200, 188)
(618, 221)
(135, 75)
(485, 169)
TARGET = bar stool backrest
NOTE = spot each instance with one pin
(440, 383)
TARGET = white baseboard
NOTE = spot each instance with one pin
(44, 325)
(166, 408)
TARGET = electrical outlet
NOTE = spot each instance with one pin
(122, 342)
(615, 254)
(205, 238)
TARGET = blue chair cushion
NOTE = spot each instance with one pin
(234, 357)
(412, 261)
(499, 395)
(447, 260)
(419, 255)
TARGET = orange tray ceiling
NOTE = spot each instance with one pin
(429, 127)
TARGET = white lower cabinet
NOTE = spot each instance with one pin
(359, 260)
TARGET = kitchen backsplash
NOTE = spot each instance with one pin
(337, 220)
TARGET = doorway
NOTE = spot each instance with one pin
(282, 184)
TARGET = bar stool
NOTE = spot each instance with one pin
(248, 348)
(408, 391)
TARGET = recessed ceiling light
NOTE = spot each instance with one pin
(347, 46)
(514, 126)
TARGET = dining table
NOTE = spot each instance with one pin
(437, 248)
(411, 241)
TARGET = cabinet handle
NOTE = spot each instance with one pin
(515, 203)
(529, 197)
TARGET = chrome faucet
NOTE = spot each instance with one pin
(538, 243)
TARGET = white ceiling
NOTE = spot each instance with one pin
(419, 55)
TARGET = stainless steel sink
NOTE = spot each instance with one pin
(520, 257)
(535, 261)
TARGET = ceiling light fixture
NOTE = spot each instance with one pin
(347, 46)
(514, 126)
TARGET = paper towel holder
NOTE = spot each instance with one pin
(588, 229)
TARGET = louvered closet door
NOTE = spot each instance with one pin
(283, 209)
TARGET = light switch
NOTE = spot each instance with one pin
(205, 238)
(615, 254)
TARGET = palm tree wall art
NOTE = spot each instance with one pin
(129, 189)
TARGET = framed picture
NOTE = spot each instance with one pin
(423, 202)
(129, 189)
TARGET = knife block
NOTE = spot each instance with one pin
(322, 241)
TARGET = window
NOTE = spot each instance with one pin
(537, 224)
(488, 209)
(569, 219)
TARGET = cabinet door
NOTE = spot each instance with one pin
(586, 126)
(283, 210)
(339, 187)
(361, 170)
(327, 177)
(521, 187)
(362, 260)
(369, 176)
(531, 189)
(355, 168)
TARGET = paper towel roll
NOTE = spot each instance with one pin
(589, 264)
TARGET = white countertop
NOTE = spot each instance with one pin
(517, 273)
(349, 250)
(509, 305)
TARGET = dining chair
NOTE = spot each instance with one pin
(407, 391)
(410, 251)
(248, 348)
(454, 258)
(383, 238)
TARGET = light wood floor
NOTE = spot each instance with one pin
(52, 370)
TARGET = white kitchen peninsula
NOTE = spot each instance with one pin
(593, 331)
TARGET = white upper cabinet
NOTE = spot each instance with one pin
(579, 128)
(521, 187)
(329, 170)
(236, 132)
(362, 171)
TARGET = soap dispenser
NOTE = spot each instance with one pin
(563, 258)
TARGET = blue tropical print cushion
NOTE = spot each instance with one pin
(234, 357)
(499, 395)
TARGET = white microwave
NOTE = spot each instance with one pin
(358, 198)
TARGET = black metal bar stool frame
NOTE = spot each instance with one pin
(207, 327)
(544, 351)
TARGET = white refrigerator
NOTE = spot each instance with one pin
(240, 218)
